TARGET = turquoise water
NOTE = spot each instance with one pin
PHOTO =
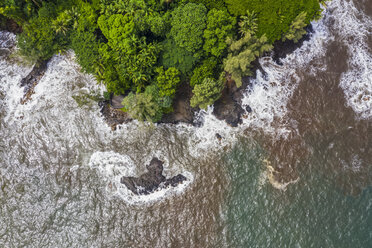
(314, 212)
(60, 164)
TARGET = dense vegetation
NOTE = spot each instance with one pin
(146, 49)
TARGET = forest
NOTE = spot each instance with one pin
(147, 49)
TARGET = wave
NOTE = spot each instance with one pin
(354, 28)
(53, 118)
(270, 92)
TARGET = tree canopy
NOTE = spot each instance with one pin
(148, 49)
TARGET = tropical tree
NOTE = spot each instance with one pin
(220, 25)
(297, 28)
(188, 23)
(146, 106)
(206, 93)
(248, 24)
(167, 81)
(205, 70)
(241, 55)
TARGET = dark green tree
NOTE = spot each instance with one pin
(205, 70)
(220, 25)
(188, 23)
(178, 57)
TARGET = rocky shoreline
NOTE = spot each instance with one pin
(228, 108)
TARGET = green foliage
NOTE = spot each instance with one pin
(159, 24)
(248, 24)
(86, 48)
(220, 25)
(146, 106)
(206, 93)
(62, 24)
(142, 47)
(20, 11)
(242, 53)
(137, 64)
(117, 29)
(205, 70)
(211, 4)
(188, 23)
(274, 17)
(106, 95)
(3, 21)
(38, 40)
(175, 56)
(167, 81)
(297, 28)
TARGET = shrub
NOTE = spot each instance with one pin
(206, 93)
(297, 28)
(205, 70)
(167, 81)
(146, 106)
(274, 17)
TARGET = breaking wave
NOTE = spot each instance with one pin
(354, 28)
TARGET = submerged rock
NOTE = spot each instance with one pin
(152, 180)
(248, 109)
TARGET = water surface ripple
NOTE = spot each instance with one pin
(296, 173)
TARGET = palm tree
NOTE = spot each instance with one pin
(248, 24)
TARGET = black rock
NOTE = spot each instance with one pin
(151, 180)
(218, 136)
(248, 108)
(37, 72)
(174, 181)
(229, 110)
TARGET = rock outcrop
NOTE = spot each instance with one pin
(228, 108)
(152, 180)
(112, 116)
(31, 80)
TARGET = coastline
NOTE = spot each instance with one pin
(227, 108)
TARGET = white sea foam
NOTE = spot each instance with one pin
(203, 140)
(270, 92)
(112, 167)
(354, 27)
(268, 97)
(11, 73)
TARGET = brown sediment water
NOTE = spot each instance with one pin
(323, 125)
(60, 164)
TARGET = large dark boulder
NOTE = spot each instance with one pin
(152, 180)
(227, 108)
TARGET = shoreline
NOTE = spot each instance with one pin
(227, 108)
